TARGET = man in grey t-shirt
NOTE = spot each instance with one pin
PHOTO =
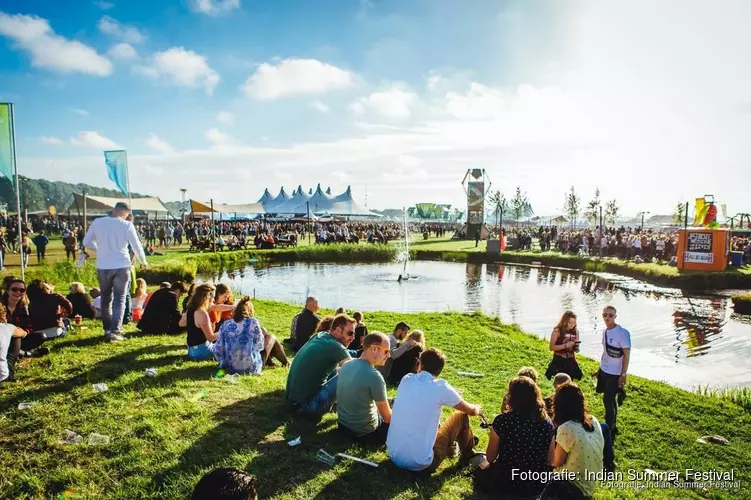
(362, 406)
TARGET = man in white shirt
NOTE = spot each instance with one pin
(415, 442)
(616, 354)
(110, 237)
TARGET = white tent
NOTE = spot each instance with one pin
(102, 205)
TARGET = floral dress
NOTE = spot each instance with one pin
(238, 346)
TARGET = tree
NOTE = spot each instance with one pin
(593, 209)
(572, 205)
(612, 211)
(520, 205)
(498, 204)
(680, 214)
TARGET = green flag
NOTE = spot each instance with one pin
(6, 166)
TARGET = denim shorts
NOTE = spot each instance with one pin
(201, 351)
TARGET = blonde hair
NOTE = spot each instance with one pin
(201, 298)
(140, 287)
(77, 287)
(418, 336)
(244, 309)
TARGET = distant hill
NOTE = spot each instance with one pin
(39, 194)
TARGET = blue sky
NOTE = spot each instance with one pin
(396, 98)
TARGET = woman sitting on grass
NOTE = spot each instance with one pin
(17, 310)
(47, 310)
(519, 439)
(139, 299)
(201, 335)
(564, 342)
(81, 301)
(10, 346)
(576, 447)
(222, 296)
(407, 362)
(242, 346)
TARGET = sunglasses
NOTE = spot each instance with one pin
(18, 290)
(608, 315)
(381, 347)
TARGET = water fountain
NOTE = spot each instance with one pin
(403, 254)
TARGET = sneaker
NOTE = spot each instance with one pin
(114, 337)
(39, 352)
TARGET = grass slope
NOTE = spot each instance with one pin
(169, 430)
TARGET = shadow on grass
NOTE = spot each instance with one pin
(106, 371)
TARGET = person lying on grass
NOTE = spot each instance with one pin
(362, 406)
(415, 441)
(312, 380)
(196, 319)
(242, 346)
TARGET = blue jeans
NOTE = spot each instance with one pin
(201, 352)
(114, 284)
(323, 401)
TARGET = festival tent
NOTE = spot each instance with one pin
(279, 200)
(299, 197)
(102, 205)
(228, 212)
(267, 197)
(342, 205)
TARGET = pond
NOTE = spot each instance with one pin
(683, 339)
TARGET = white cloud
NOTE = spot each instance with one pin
(159, 145)
(393, 102)
(225, 117)
(88, 139)
(215, 7)
(80, 111)
(319, 106)
(104, 5)
(112, 27)
(53, 141)
(123, 51)
(181, 67)
(480, 102)
(218, 138)
(49, 50)
(296, 77)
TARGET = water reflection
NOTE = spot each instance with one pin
(685, 340)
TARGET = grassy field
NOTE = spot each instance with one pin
(167, 431)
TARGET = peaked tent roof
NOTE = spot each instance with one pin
(288, 207)
(267, 196)
(342, 205)
(278, 200)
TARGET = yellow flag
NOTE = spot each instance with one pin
(700, 211)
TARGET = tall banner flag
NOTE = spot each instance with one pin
(6, 142)
(117, 169)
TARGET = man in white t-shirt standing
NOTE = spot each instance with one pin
(415, 442)
(616, 354)
(110, 237)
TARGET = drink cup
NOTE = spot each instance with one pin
(77, 318)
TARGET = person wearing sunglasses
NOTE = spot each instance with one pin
(611, 377)
(362, 405)
(17, 310)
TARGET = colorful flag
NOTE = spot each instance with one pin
(6, 141)
(117, 169)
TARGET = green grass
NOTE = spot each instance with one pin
(738, 395)
(742, 302)
(164, 437)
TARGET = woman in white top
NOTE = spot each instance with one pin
(10, 346)
(577, 445)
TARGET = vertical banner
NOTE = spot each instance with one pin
(700, 211)
(117, 169)
(475, 199)
(6, 142)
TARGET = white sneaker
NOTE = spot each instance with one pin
(114, 337)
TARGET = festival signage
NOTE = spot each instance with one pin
(699, 248)
(475, 199)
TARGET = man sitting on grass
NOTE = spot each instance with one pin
(312, 379)
(397, 350)
(362, 407)
(306, 323)
(415, 442)
(162, 313)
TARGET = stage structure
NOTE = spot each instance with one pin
(476, 191)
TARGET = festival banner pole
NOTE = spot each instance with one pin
(18, 184)
(127, 180)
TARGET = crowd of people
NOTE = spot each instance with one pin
(341, 366)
